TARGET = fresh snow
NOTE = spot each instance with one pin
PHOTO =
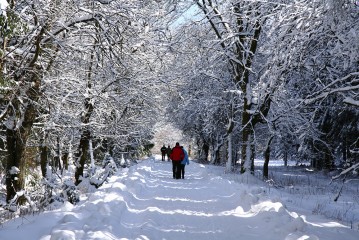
(144, 202)
(3, 6)
(351, 101)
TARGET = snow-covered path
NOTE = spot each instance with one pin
(144, 202)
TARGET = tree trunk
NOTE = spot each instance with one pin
(215, 155)
(253, 154)
(328, 160)
(57, 158)
(10, 163)
(16, 150)
(246, 139)
(205, 152)
(91, 157)
(23, 112)
(248, 118)
(266, 158)
(81, 155)
(65, 159)
(229, 159)
(248, 162)
(285, 156)
(43, 156)
(83, 149)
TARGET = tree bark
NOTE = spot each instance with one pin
(266, 158)
(247, 131)
(285, 157)
(81, 155)
(229, 158)
(43, 156)
(11, 162)
(83, 149)
(205, 151)
(57, 158)
(16, 145)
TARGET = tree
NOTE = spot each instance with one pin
(321, 69)
(96, 49)
(275, 55)
(237, 27)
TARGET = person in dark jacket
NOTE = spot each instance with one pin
(177, 156)
(184, 162)
(169, 150)
(163, 151)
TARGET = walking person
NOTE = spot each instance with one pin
(177, 156)
(163, 151)
(169, 150)
(184, 162)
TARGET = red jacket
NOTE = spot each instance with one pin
(177, 154)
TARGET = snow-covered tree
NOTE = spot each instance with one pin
(317, 48)
(289, 63)
(80, 72)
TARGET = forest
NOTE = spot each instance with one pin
(84, 82)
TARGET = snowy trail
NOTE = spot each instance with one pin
(144, 202)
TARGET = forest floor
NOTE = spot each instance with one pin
(145, 202)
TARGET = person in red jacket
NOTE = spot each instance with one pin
(177, 156)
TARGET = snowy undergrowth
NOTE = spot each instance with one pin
(299, 187)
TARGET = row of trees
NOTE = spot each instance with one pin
(80, 79)
(77, 81)
(264, 77)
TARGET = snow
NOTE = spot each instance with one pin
(351, 101)
(14, 170)
(3, 6)
(145, 202)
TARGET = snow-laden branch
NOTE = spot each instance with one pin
(351, 101)
(352, 168)
(326, 94)
(69, 24)
(105, 1)
(327, 90)
(342, 79)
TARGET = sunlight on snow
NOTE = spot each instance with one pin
(119, 185)
(103, 235)
(185, 200)
(324, 224)
(255, 210)
(238, 212)
(113, 197)
(293, 175)
(304, 237)
(170, 212)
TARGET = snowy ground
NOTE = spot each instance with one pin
(144, 202)
(303, 188)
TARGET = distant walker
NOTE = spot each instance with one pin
(163, 152)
